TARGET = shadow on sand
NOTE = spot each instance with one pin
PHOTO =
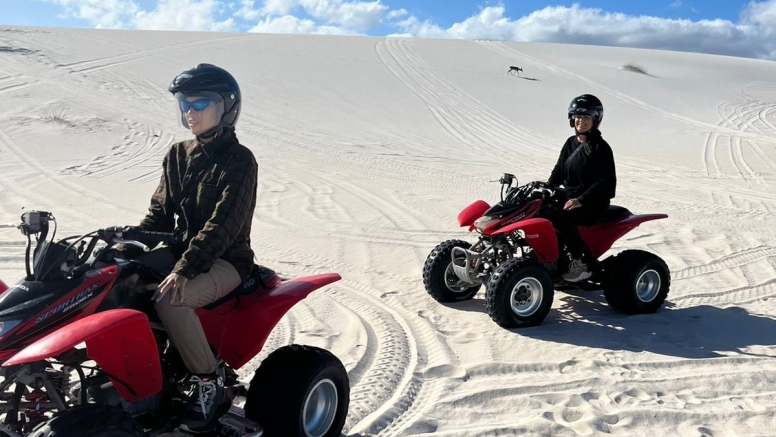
(584, 319)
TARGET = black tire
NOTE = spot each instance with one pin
(284, 383)
(519, 294)
(438, 276)
(638, 282)
(90, 421)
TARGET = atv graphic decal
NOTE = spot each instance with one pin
(69, 304)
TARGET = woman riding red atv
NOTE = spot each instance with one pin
(585, 169)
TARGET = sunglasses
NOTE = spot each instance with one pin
(196, 105)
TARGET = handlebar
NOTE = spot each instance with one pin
(52, 258)
(512, 193)
(131, 235)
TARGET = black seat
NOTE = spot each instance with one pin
(261, 278)
(615, 213)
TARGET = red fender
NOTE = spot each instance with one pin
(472, 213)
(539, 234)
(238, 328)
(3, 287)
(120, 341)
(600, 237)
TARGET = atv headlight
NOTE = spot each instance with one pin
(485, 221)
(7, 325)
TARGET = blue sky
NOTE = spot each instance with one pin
(729, 27)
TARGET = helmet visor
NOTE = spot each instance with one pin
(593, 112)
(208, 105)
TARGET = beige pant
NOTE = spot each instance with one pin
(182, 323)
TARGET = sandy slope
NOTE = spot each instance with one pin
(369, 147)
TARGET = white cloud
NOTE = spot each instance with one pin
(396, 13)
(291, 24)
(168, 14)
(753, 36)
(247, 11)
(411, 26)
(278, 7)
(675, 4)
(184, 15)
(354, 15)
(100, 13)
(349, 16)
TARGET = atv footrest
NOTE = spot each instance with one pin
(240, 426)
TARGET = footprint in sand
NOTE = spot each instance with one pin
(748, 404)
(445, 371)
(574, 366)
(632, 397)
(571, 415)
(614, 358)
(461, 337)
(705, 432)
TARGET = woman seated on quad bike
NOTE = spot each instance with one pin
(585, 168)
(209, 183)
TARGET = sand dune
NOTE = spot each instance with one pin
(369, 147)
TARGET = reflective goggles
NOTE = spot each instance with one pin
(197, 105)
(582, 117)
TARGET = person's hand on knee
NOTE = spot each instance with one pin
(572, 204)
(174, 284)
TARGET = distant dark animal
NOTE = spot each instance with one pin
(512, 70)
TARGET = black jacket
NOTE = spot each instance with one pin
(589, 175)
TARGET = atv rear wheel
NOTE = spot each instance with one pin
(519, 294)
(440, 279)
(90, 421)
(638, 282)
(299, 391)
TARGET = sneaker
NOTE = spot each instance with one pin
(578, 271)
(207, 402)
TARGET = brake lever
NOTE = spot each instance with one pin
(132, 243)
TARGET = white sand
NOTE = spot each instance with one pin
(369, 147)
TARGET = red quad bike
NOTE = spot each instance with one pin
(88, 314)
(517, 258)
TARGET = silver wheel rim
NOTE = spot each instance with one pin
(320, 407)
(526, 297)
(453, 282)
(648, 285)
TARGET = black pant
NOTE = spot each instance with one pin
(566, 222)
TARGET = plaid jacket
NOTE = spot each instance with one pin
(214, 218)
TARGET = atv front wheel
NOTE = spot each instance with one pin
(638, 282)
(440, 279)
(299, 391)
(90, 421)
(519, 294)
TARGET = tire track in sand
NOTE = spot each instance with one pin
(390, 392)
(733, 260)
(466, 119)
(92, 65)
(501, 48)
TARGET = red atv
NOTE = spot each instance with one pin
(83, 353)
(517, 258)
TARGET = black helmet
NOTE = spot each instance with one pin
(587, 104)
(209, 80)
